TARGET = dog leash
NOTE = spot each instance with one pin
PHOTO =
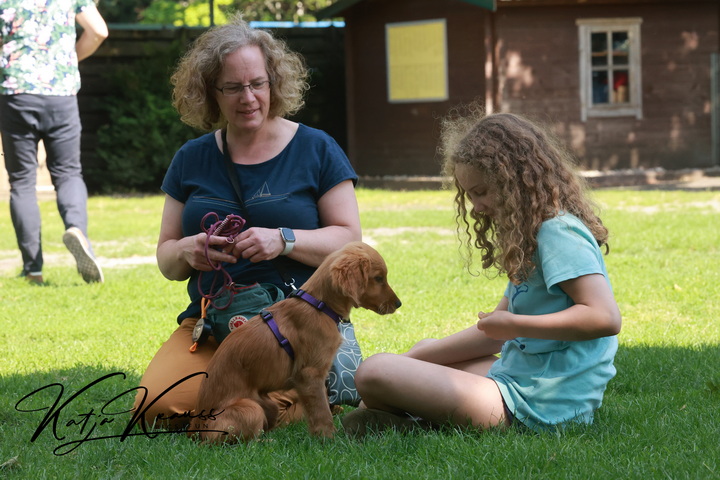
(229, 227)
(289, 281)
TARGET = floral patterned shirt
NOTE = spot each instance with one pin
(38, 46)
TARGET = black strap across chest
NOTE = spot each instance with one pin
(232, 173)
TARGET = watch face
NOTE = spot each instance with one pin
(287, 235)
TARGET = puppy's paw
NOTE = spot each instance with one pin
(324, 431)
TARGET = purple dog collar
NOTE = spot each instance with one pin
(302, 294)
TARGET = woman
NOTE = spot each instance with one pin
(295, 180)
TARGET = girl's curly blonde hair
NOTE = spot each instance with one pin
(533, 178)
(197, 72)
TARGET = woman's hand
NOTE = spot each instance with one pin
(199, 256)
(258, 244)
(179, 256)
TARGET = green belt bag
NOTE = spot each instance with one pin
(234, 307)
(242, 302)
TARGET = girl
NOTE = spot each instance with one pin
(555, 326)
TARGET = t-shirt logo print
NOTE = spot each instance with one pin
(264, 191)
(263, 195)
(518, 290)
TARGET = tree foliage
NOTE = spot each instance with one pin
(277, 10)
(197, 12)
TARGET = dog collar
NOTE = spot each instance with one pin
(302, 294)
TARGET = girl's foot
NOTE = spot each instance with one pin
(362, 421)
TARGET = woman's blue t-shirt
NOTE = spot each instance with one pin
(281, 192)
(546, 383)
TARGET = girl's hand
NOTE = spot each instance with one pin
(595, 314)
(497, 325)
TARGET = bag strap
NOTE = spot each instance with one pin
(232, 173)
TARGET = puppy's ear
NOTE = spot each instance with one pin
(350, 273)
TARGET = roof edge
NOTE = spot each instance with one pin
(336, 8)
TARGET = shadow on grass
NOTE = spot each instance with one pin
(665, 392)
(669, 392)
(62, 410)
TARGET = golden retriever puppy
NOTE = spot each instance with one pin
(233, 403)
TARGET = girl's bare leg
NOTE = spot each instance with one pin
(441, 394)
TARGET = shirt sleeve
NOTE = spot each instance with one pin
(82, 5)
(567, 250)
(336, 166)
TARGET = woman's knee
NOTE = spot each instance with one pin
(162, 410)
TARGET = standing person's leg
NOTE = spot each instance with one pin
(19, 128)
(393, 385)
(61, 136)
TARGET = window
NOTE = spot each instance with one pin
(610, 77)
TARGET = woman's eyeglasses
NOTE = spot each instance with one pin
(238, 88)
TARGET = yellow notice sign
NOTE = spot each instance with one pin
(417, 61)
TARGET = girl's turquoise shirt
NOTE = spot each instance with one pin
(547, 383)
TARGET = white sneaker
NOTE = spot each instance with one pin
(78, 245)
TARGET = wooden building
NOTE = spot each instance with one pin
(627, 83)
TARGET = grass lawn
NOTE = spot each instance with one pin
(660, 418)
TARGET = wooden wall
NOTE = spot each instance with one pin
(401, 138)
(538, 69)
(524, 59)
(322, 49)
(123, 47)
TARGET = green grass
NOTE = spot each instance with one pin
(660, 417)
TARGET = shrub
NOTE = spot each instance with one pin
(136, 146)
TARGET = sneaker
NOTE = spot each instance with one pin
(78, 245)
(362, 421)
(33, 278)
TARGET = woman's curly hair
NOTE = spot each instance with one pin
(195, 76)
(533, 178)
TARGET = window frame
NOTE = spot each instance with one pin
(588, 26)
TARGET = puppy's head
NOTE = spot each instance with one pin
(360, 273)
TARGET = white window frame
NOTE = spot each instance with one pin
(587, 26)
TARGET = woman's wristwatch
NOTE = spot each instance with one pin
(289, 238)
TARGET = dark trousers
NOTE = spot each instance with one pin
(24, 121)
